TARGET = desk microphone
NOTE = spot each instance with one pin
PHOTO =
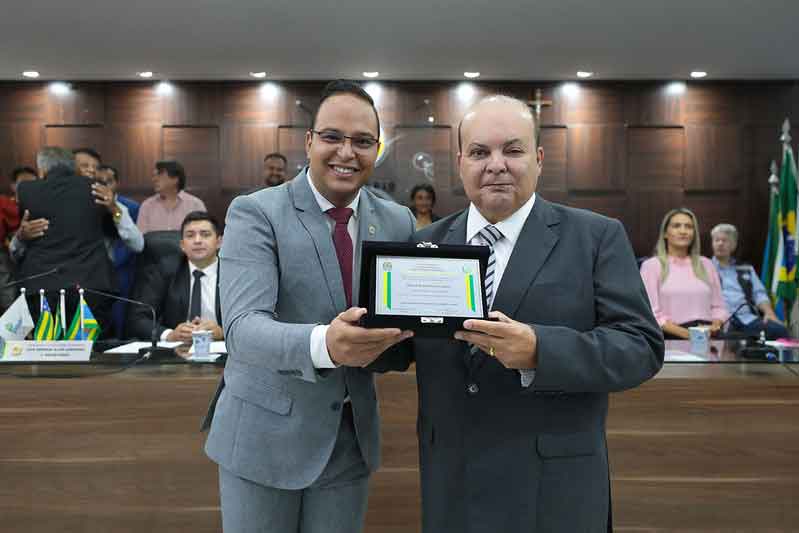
(733, 335)
(26, 279)
(153, 352)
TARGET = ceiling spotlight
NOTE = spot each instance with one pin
(465, 91)
(164, 88)
(571, 89)
(31, 74)
(431, 119)
(259, 75)
(146, 74)
(698, 74)
(584, 74)
(372, 74)
(471, 75)
(59, 88)
(675, 88)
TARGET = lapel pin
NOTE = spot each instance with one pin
(372, 230)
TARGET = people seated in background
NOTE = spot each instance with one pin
(423, 199)
(274, 169)
(682, 285)
(166, 209)
(743, 292)
(71, 245)
(123, 254)
(9, 223)
(184, 290)
(87, 160)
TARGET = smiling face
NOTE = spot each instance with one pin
(86, 165)
(679, 233)
(499, 163)
(200, 242)
(339, 170)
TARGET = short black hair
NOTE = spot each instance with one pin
(198, 216)
(112, 169)
(277, 155)
(173, 169)
(88, 151)
(337, 87)
(17, 172)
(424, 187)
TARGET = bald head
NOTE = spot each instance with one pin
(500, 100)
(499, 160)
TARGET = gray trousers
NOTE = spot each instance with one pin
(334, 503)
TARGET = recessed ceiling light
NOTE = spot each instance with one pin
(584, 74)
(372, 74)
(471, 75)
(698, 74)
(30, 74)
(146, 74)
(259, 75)
(59, 88)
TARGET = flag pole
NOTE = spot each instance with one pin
(62, 314)
(41, 301)
(80, 306)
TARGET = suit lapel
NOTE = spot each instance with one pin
(181, 290)
(369, 229)
(313, 219)
(536, 241)
(217, 306)
(456, 234)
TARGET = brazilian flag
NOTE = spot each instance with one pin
(45, 327)
(91, 329)
(58, 330)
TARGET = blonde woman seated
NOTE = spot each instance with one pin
(683, 287)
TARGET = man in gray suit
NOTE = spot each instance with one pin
(296, 430)
(512, 417)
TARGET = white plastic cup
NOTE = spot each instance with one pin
(201, 339)
(700, 339)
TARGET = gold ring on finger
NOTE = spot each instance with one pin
(491, 351)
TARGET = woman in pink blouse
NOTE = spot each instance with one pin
(683, 287)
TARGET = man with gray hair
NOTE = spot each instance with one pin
(744, 294)
(72, 247)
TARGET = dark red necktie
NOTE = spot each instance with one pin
(343, 244)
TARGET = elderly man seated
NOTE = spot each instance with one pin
(743, 292)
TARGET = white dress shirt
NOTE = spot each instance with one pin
(510, 228)
(319, 353)
(208, 285)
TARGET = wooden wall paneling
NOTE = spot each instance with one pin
(554, 140)
(19, 142)
(72, 137)
(134, 102)
(597, 157)
(586, 103)
(197, 149)
(646, 209)
(193, 105)
(134, 149)
(714, 104)
(658, 104)
(254, 102)
(769, 103)
(23, 103)
(244, 146)
(714, 157)
(762, 146)
(426, 155)
(387, 102)
(291, 143)
(714, 208)
(307, 94)
(418, 102)
(81, 104)
(655, 157)
(611, 205)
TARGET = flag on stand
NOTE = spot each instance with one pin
(783, 282)
(16, 322)
(84, 326)
(45, 327)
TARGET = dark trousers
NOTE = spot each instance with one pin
(773, 330)
(100, 306)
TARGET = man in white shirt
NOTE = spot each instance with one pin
(184, 290)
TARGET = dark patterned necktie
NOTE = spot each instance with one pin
(343, 243)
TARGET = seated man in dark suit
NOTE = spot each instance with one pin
(184, 289)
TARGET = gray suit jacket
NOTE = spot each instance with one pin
(535, 460)
(277, 417)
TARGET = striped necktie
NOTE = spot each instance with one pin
(489, 235)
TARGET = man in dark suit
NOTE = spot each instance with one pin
(73, 240)
(183, 289)
(512, 414)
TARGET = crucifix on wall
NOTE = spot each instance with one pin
(538, 103)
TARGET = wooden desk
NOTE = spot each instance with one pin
(707, 447)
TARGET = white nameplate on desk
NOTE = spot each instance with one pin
(46, 351)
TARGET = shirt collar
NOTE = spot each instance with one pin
(209, 270)
(511, 227)
(178, 199)
(730, 263)
(325, 204)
